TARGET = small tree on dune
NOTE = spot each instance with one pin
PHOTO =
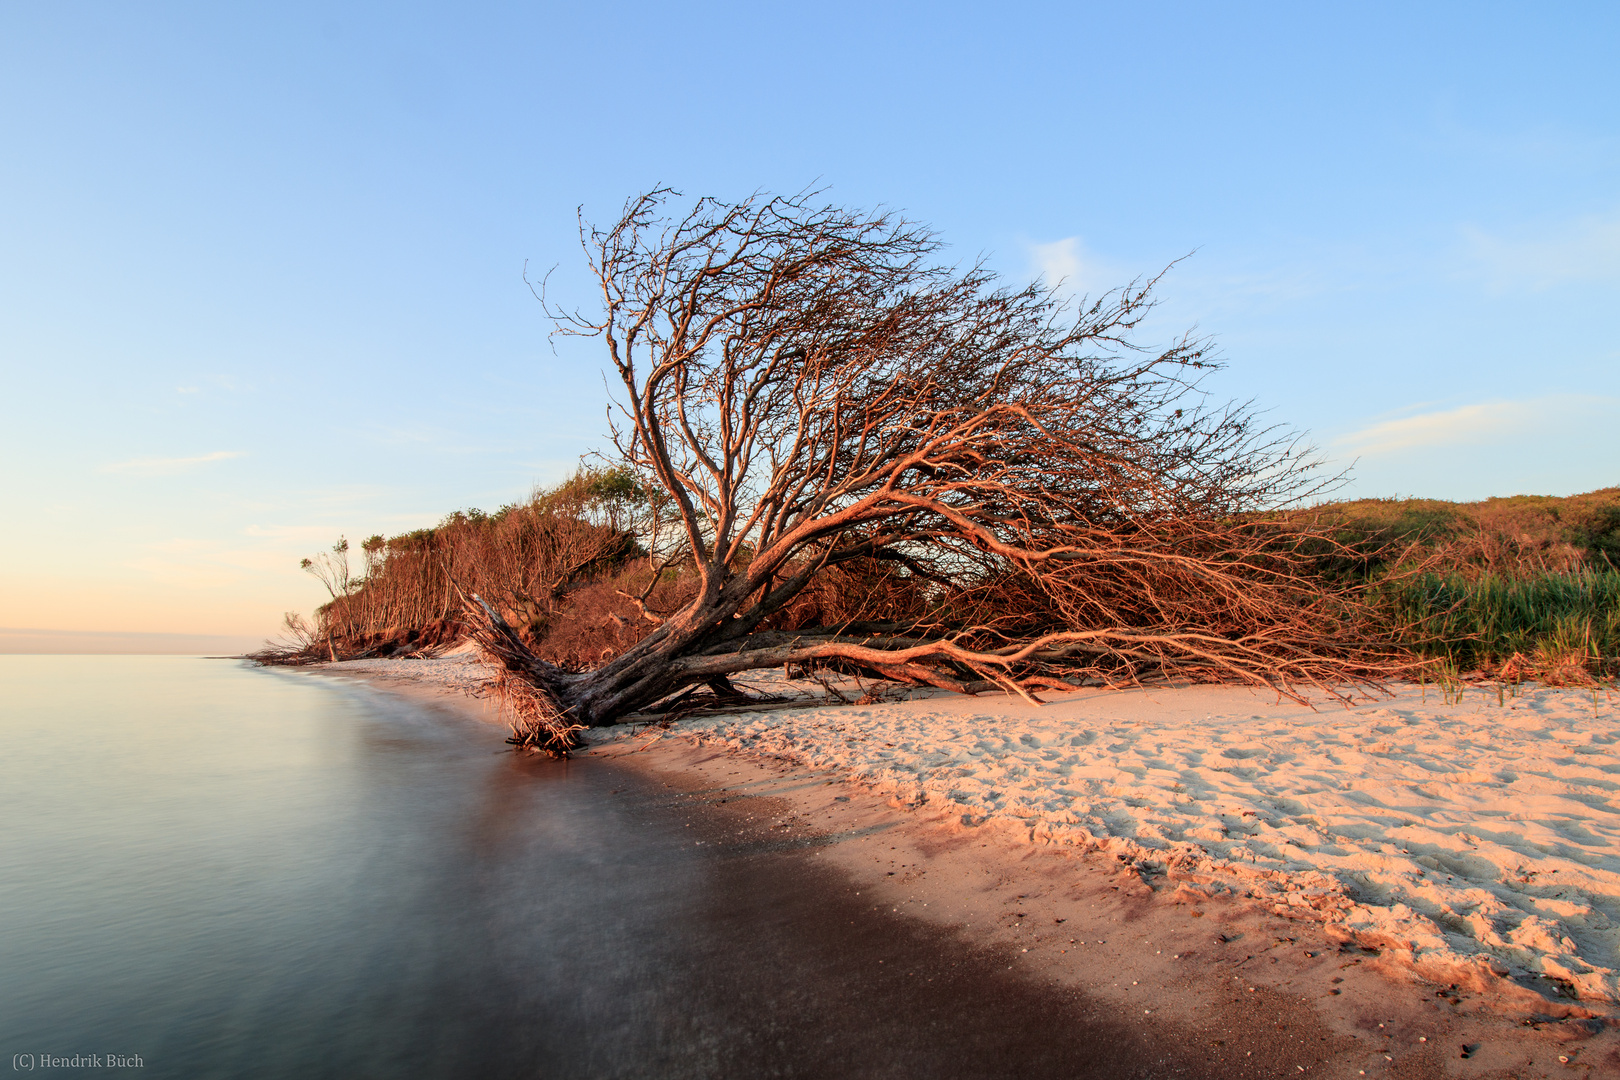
(811, 394)
(331, 569)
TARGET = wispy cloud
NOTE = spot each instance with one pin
(1482, 422)
(168, 466)
(1587, 249)
(1068, 266)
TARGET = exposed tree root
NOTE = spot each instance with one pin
(534, 719)
(533, 709)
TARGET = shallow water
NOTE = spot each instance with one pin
(230, 871)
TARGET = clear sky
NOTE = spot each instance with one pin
(262, 263)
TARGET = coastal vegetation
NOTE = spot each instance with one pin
(834, 451)
(531, 559)
(1558, 627)
(1511, 588)
(1512, 537)
(1498, 595)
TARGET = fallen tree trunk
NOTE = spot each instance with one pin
(1036, 501)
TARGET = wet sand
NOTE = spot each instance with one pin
(796, 972)
(889, 925)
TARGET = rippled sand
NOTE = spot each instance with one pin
(1453, 836)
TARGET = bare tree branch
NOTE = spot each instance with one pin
(1042, 500)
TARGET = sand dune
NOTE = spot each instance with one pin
(1455, 837)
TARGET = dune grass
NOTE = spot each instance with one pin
(1553, 626)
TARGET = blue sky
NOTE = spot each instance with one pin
(263, 265)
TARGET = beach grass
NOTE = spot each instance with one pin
(1535, 624)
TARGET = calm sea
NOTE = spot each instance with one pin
(227, 871)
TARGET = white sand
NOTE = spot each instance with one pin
(459, 669)
(1452, 836)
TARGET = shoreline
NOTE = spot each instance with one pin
(1222, 965)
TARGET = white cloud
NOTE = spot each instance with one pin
(1483, 422)
(168, 466)
(1067, 265)
(1587, 249)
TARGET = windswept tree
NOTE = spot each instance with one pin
(814, 393)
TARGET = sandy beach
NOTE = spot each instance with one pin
(1407, 887)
